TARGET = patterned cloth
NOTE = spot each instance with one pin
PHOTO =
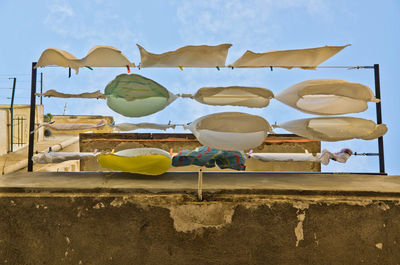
(208, 157)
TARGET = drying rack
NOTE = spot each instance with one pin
(375, 67)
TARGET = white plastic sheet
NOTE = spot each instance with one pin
(188, 56)
(230, 130)
(252, 97)
(72, 126)
(327, 96)
(58, 157)
(144, 125)
(300, 58)
(324, 157)
(98, 56)
(335, 128)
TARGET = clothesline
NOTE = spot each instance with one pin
(348, 67)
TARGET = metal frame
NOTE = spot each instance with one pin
(377, 95)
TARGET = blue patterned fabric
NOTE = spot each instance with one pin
(210, 157)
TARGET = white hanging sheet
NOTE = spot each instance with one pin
(98, 56)
(71, 126)
(252, 97)
(327, 97)
(300, 58)
(324, 157)
(53, 93)
(58, 157)
(234, 131)
(145, 125)
(188, 56)
(335, 128)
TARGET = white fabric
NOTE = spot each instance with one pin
(324, 157)
(58, 157)
(301, 58)
(53, 93)
(98, 56)
(230, 130)
(327, 96)
(188, 56)
(71, 126)
(335, 128)
(134, 126)
(141, 152)
(252, 97)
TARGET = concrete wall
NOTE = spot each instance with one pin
(4, 145)
(21, 111)
(142, 228)
(274, 143)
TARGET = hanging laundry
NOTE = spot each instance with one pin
(98, 56)
(146, 161)
(58, 157)
(335, 128)
(145, 125)
(300, 58)
(324, 157)
(230, 130)
(136, 96)
(327, 97)
(210, 157)
(188, 56)
(53, 93)
(71, 126)
(252, 97)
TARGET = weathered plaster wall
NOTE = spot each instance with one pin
(175, 228)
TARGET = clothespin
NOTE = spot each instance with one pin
(69, 72)
(218, 68)
(232, 67)
(171, 150)
(112, 151)
(272, 69)
(88, 67)
(128, 69)
(180, 67)
(169, 123)
(95, 151)
(50, 150)
(249, 153)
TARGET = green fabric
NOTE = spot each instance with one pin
(136, 96)
(131, 87)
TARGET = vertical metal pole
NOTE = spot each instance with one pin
(12, 115)
(41, 88)
(379, 118)
(32, 118)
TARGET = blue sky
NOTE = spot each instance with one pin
(29, 27)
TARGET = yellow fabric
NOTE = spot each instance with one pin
(301, 58)
(188, 56)
(98, 56)
(327, 96)
(145, 164)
